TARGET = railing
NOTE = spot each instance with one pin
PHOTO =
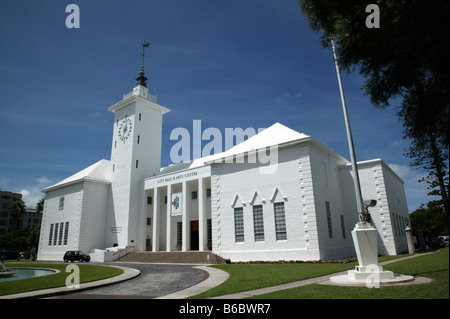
(123, 252)
(151, 98)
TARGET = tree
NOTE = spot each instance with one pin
(405, 57)
(427, 148)
(40, 206)
(16, 210)
(431, 221)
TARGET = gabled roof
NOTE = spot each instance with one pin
(99, 172)
(275, 135)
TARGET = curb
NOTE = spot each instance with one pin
(128, 273)
(215, 278)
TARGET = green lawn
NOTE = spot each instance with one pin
(245, 277)
(87, 273)
(434, 266)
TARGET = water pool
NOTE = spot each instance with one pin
(25, 273)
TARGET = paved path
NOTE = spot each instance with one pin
(172, 281)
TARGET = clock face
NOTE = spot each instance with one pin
(125, 128)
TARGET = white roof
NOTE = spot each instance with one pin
(277, 134)
(100, 172)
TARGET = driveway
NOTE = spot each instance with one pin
(154, 281)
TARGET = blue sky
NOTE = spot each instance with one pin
(246, 63)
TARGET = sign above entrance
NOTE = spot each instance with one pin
(176, 204)
(176, 177)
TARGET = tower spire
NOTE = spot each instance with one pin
(141, 78)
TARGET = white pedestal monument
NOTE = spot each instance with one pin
(368, 272)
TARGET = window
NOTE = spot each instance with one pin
(330, 228)
(66, 233)
(61, 230)
(149, 200)
(137, 163)
(50, 235)
(208, 192)
(139, 139)
(61, 203)
(55, 235)
(209, 228)
(280, 221)
(179, 234)
(194, 195)
(140, 116)
(239, 224)
(258, 222)
(343, 227)
(149, 221)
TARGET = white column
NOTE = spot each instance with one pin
(168, 219)
(202, 225)
(185, 218)
(155, 244)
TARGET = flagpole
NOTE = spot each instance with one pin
(359, 199)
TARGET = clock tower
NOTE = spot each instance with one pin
(135, 155)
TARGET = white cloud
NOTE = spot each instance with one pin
(402, 170)
(32, 194)
(43, 180)
(416, 193)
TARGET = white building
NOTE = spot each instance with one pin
(279, 195)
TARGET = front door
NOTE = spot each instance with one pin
(194, 235)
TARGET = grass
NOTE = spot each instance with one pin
(434, 266)
(245, 277)
(88, 273)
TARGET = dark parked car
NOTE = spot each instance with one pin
(73, 255)
(437, 242)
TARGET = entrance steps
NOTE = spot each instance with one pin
(188, 257)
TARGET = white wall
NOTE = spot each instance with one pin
(379, 182)
(398, 208)
(335, 239)
(243, 185)
(73, 200)
(85, 205)
(93, 218)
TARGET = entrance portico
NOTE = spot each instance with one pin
(179, 210)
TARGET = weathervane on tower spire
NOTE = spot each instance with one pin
(141, 78)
